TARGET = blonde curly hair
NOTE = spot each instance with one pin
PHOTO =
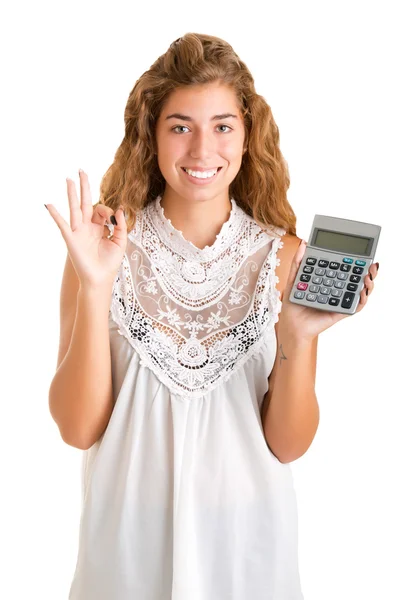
(134, 178)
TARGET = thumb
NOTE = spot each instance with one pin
(119, 235)
(297, 258)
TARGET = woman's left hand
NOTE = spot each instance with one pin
(305, 322)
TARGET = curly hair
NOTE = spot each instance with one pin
(134, 178)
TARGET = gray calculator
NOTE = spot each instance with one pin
(335, 262)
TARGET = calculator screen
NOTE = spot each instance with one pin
(342, 242)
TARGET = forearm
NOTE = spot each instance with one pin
(80, 395)
(292, 417)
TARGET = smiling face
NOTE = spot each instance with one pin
(200, 128)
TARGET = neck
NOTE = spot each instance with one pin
(200, 221)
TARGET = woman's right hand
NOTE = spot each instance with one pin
(96, 258)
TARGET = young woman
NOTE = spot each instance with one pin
(184, 372)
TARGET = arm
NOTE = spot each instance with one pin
(290, 413)
(80, 395)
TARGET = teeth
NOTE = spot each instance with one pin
(201, 174)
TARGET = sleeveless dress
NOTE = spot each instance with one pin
(182, 498)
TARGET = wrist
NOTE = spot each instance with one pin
(293, 339)
(95, 289)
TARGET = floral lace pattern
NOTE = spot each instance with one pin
(196, 315)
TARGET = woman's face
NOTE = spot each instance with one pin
(196, 130)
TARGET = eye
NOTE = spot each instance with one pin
(230, 128)
(176, 127)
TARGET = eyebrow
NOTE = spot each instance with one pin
(187, 118)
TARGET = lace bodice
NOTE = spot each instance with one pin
(196, 315)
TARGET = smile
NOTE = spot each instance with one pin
(201, 177)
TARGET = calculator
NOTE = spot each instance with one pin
(335, 262)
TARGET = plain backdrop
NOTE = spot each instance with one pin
(330, 73)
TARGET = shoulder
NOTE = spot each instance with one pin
(285, 255)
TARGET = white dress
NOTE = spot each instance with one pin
(182, 498)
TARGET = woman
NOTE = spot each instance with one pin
(184, 372)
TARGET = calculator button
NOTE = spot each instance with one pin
(362, 263)
(323, 263)
(334, 265)
(347, 300)
(324, 290)
(299, 295)
(320, 271)
(317, 280)
(336, 293)
(347, 260)
(308, 269)
(334, 301)
(328, 282)
(302, 286)
(342, 276)
(355, 278)
(352, 287)
(330, 273)
(339, 284)
(345, 268)
(358, 270)
(305, 277)
(322, 299)
(311, 297)
(314, 289)
(311, 261)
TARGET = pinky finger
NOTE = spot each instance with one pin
(363, 300)
(364, 295)
(60, 221)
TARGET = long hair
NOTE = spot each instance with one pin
(134, 178)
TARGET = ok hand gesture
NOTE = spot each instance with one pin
(96, 257)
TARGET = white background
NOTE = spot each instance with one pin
(330, 74)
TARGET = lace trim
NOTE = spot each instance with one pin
(174, 238)
(189, 369)
(265, 301)
(195, 284)
(145, 361)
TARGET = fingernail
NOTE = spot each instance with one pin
(113, 220)
(370, 276)
(46, 207)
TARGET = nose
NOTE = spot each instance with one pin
(202, 145)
